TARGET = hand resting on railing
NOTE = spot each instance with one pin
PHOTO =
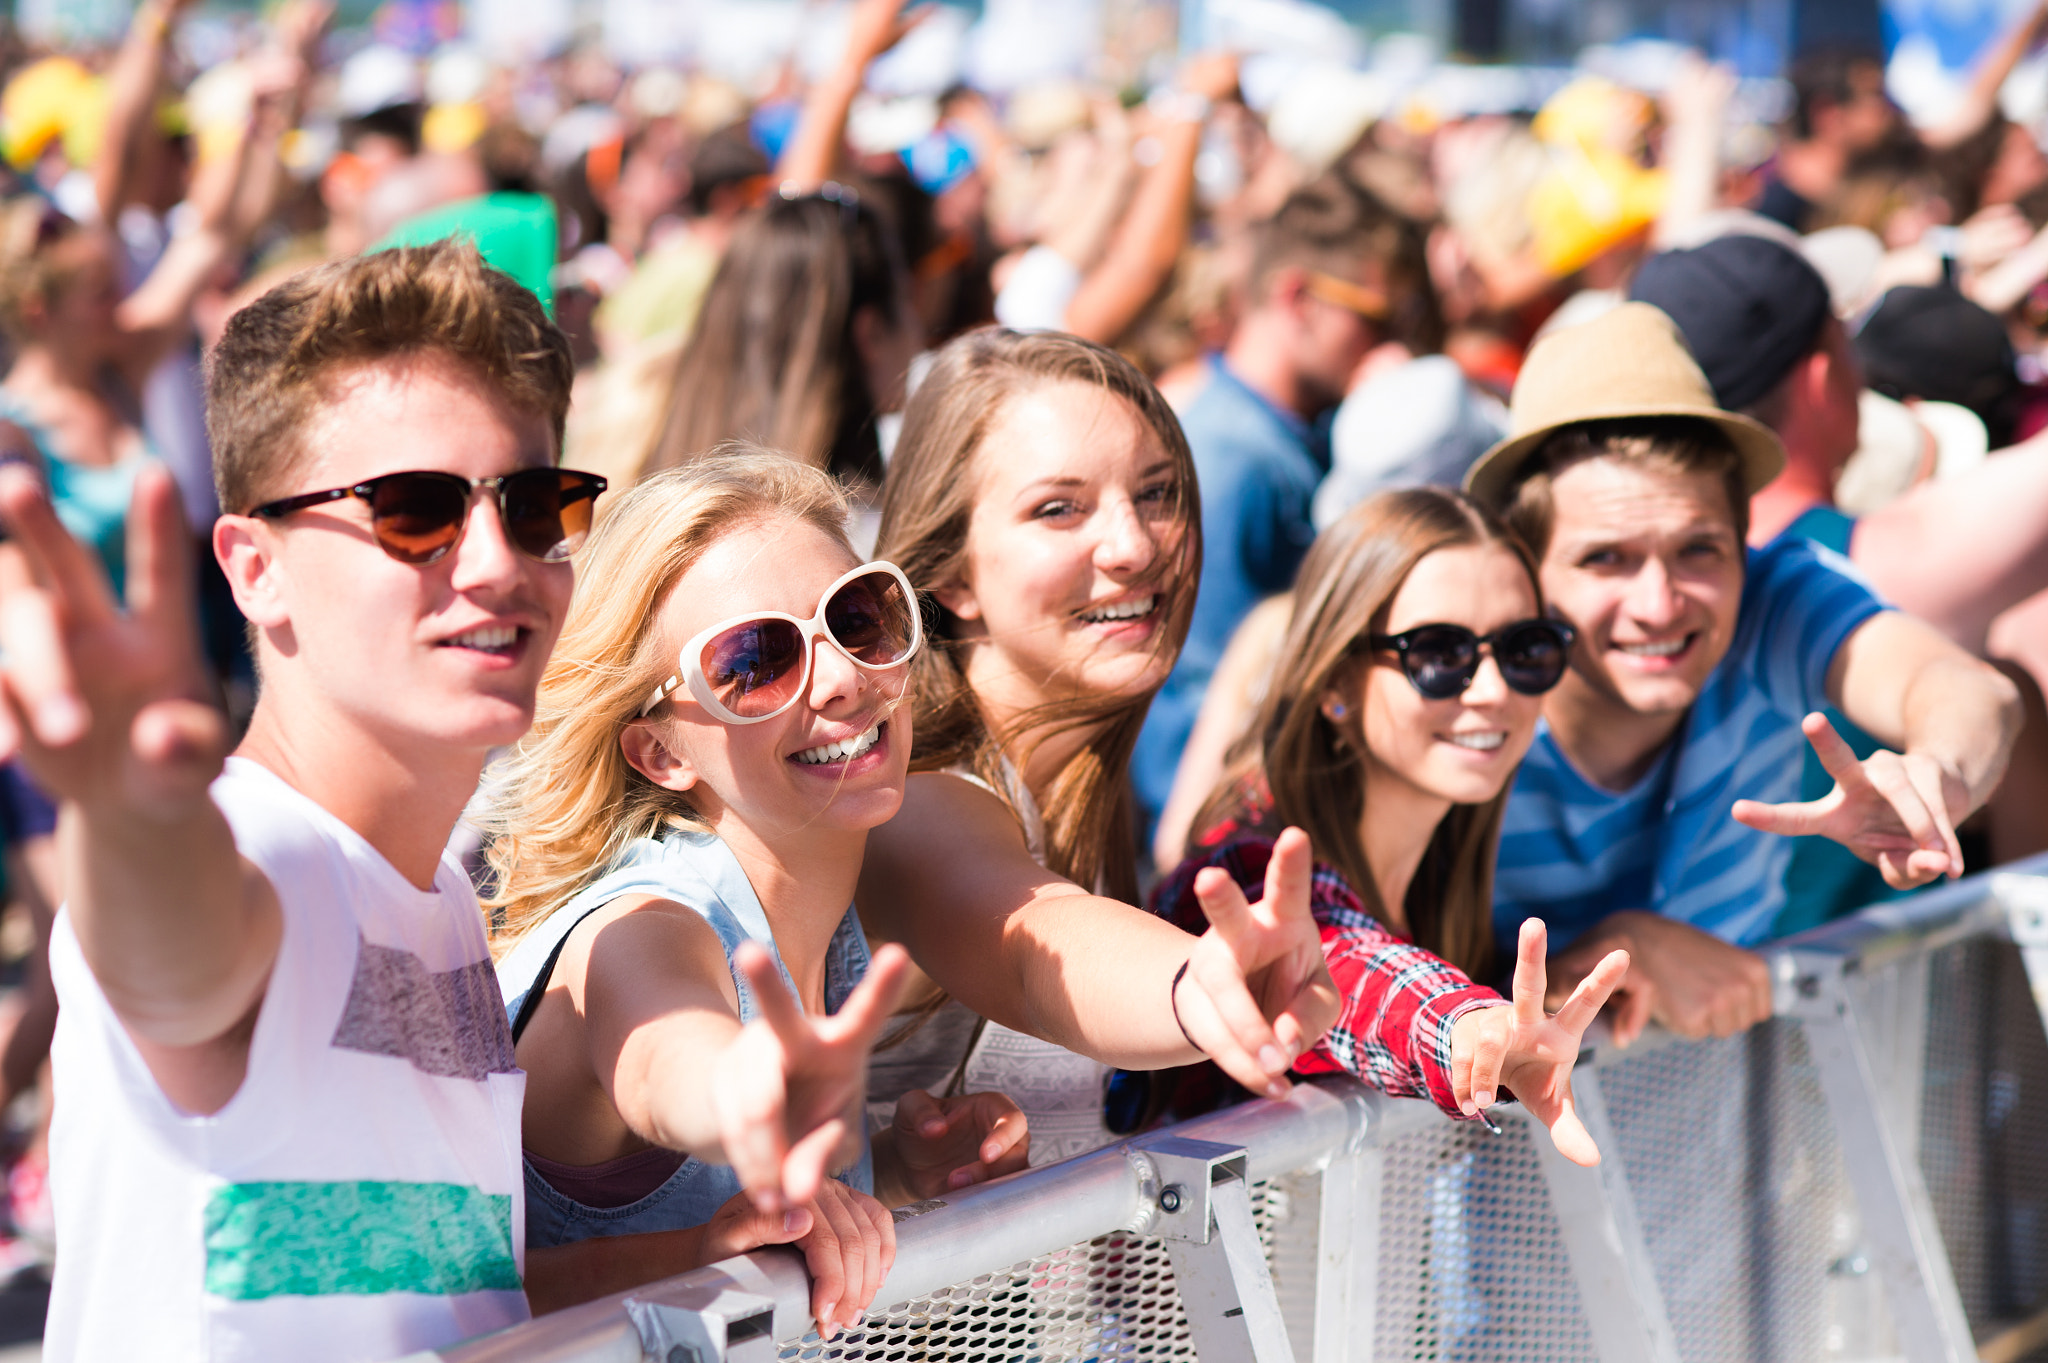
(1679, 977)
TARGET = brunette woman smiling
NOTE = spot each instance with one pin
(1405, 692)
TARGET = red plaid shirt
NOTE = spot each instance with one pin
(1398, 1002)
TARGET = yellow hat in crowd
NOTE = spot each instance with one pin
(47, 100)
(1595, 195)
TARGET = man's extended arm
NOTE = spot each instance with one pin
(179, 930)
(1960, 551)
(1899, 679)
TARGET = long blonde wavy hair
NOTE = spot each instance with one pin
(927, 502)
(567, 801)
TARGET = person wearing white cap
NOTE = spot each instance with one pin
(1697, 666)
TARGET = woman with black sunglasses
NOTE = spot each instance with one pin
(1406, 690)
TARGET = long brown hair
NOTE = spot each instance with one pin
(567, 801)
(927, 502)
(772, 357)
(1310, 767)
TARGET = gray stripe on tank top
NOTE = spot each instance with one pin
(448, 1023)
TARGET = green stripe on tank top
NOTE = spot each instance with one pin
(357, 1239)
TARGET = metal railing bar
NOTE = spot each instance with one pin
(984, 1229)
(1920, 922)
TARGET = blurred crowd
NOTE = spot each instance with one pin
(1343, 288)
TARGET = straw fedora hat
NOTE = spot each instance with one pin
(1630, 362)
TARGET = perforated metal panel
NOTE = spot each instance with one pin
(1471, 1263)
(1984, 1130)
(1112, 1298)
(1744, 1202)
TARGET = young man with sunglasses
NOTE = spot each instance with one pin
(1335, 274)
(290, 1125)
(1696, 675)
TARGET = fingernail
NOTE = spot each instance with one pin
(1483, 1098)
(1270, 1059)
(1276, 1089)
(790, 1221)
(825, 1320)
(1468, 1108)
(934, 1127)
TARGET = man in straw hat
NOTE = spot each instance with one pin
(1695, 662)
(1958, 550)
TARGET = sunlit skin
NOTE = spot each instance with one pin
(1413, 743)
(745, 779)
(1647, 565)
(1075, 519)
(396, 655)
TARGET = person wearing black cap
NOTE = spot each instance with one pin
(1651, 812)
(1931, 343)
(1956, 553)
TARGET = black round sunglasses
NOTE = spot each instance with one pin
(1441, 660)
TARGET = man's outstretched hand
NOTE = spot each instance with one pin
(101, 703)
(1530, 1051)
(1257, 992)
(1897, 811)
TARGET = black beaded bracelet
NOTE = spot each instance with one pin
(1173, 1001)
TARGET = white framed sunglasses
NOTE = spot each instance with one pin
(753, 667)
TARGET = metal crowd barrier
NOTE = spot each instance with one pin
(1864, 1177)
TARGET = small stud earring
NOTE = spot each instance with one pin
(1338, 711)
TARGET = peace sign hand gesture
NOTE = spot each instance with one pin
(1257, 992)
(788, 1092)
(1897, 811)
(1530, 1051)
(101, 703)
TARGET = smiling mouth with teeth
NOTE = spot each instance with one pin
(1121, 610)
(843, 751)
(486, 639)
(1484, 742)
(1668, 649)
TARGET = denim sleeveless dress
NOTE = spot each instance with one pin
(699, 870)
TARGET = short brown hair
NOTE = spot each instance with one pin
(265, 378)
(1333, 223)
(1676, 443)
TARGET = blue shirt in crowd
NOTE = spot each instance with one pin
(1572, 853)
(1257, 466)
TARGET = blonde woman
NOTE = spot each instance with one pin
(680, 839)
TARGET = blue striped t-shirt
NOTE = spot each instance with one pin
(1572, 853)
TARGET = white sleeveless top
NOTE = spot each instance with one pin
(1060, 1091)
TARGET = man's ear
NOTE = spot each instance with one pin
(1816, 372)
(647, 753)
(246, 549)
(959, 598)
